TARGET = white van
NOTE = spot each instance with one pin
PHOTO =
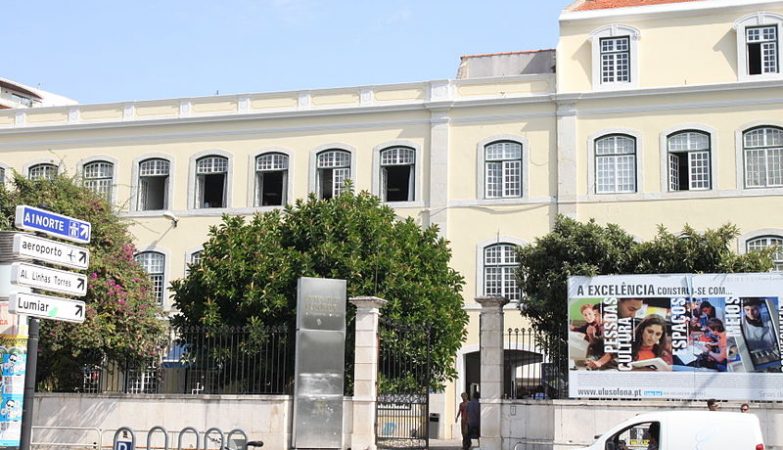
(684, 430)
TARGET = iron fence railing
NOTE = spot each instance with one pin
(536, 365)
(228, 360)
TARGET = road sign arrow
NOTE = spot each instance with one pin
(80, 283)
(79, 311)
(84, 231)
(82, 257)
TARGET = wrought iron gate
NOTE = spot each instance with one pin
(402, 411)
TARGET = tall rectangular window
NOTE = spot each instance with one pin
(154, 263)
(762, 49)
(615, 164)
(153, 185)
(503, 170)
(500, 264)
(211, 182)
(271, 179)
(333, 168)
(2, 175)
(763, 150)
(397, 174)
(615, 59)
(98, 177)
(689, 161)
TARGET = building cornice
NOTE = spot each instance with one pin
(680, 9)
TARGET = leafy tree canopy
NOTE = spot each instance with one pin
(122, 317)
(248, 270)
(574, 248)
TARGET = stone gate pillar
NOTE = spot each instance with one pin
(365, 371)
(491, 346)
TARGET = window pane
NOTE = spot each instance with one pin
(500, 264)
(212, 164)
(398, 156)
(615, 59)
(42, 171)
(154, 264)
(763, 158)
(494, 180)
(98, 178)
(334, 158)
(768, 241)
(2, 175)
(503, 169)
(154, 167)
(615, 164)
(271, 161)
(699, 163)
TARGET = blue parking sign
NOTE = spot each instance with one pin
(53, 224)
(123, 445)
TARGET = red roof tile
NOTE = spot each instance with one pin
(586, 5)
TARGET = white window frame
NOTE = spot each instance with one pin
(162, 301)
(747, 240)
(112, 181)
(480, 266)
(743, 168)
(137, 176)
(664, 157)
(194, 202)
(690, 152)
(314, 183)
(258, 176)
(504, 276)
(615, 157)
(190, 255)
(251, 175)
(4, 172)
(377, 176)
(45, 167)
(608, 32)
(741, 25)
(481, 163)
(411, 165)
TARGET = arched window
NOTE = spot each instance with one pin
(211, 182)
(42, 171)
(689, 161)
(98, 177)
(271, 179)
(500, 265)
(503, 169)
(2, 175)
(333, 167)
(763, 154)
(768, 241)
(153, 184)
(398, 166)
(154, 263)
(615, 164)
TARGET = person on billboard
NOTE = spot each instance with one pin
(702, 316)
(592, 327)
(717, 347)
(758, 333)
(651, 342)
(598, 359)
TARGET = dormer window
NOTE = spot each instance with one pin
(758, 47)
(615, 57)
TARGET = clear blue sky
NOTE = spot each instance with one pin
(97, 51)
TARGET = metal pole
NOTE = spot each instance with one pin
(29, 384)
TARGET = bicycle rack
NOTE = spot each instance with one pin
(165, 436)
(213, 430)
(184, 430)
(125, 431)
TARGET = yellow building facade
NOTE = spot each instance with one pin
(658, 112)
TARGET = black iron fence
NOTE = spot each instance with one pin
(229, 360)
(536, 365)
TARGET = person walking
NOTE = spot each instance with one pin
(474, 418)
(462, 412)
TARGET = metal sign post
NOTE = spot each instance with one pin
(25, 274)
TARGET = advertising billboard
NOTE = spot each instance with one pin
(676, 336)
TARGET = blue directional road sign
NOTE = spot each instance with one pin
(56, 225)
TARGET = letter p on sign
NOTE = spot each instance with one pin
(123, 445)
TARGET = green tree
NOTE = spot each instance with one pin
(574, 248)
(248, 270)
(122, 318)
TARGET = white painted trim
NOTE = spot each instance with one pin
(188, 255)
(7, 173)
(480, 169)
(166, 306)
(312, 186)
(756, 19)
(134, 196)
(664, 155)
(115, 164)
(615, 30)
(739, 146)
(503, 204)
(46, 160)
(669, 8)
(251, 176)
(192, 200)
(418, 171)
(742, 240)
(591, 164)
(480, 246)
